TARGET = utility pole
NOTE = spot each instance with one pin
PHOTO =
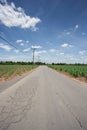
(33, 53)
(38, 58)
(33, 49)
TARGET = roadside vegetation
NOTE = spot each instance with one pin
(76, 70)
(10, 70)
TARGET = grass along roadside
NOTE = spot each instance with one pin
(10, 71)
(77, 71)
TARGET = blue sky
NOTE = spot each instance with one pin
(57, 28)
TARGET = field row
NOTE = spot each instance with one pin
(8, 71)
(74, 70)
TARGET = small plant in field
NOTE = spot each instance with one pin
(75, 74)
(86, 76)
(75, 70)
(7, 71)
(55, 68)
(60, 69)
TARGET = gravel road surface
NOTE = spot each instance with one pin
(44, 100)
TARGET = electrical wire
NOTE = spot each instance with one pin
(11, 44)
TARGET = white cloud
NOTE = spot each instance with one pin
(43, 51)
(66, 45)
(22, 44)
(26, 50)
(61, 53)
(13, 5)
(15, 58)
(68, 33)
(83, 33)
(5, 47)
(76, 26)
(6, 58)
(52, 50)
(12, 16)
(19, 41)
(27, 41)
(16, 51)
(36, 47)
(82, 52)
(40, 52)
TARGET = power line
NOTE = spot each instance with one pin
(8, 42)
(11, 44)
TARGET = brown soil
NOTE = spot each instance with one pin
(2, 79)
(83, 79)
(14, 75)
